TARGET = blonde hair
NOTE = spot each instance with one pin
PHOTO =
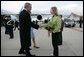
(54, 9)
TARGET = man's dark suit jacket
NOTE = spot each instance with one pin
(25, 27)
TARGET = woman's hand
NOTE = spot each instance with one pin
(40, 25)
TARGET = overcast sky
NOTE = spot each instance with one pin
(44, 6)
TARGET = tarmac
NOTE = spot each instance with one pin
(72, 43)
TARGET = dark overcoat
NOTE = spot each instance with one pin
(25, 27)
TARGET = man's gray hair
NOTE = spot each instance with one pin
(26, 4)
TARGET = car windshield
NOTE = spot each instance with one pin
(68, 20)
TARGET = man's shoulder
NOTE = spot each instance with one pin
(23, 11)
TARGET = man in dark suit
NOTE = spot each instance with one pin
(25, 26)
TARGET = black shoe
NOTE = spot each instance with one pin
(36, 47)
(22, 53)
(11, 38)
(29, 48)
(30, 55)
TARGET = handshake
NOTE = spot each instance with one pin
(43, 26)
(47, 28)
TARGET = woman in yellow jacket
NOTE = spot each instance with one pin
(54, 26)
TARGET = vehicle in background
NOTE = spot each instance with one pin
(69, 23)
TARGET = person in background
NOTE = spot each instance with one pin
(6, 19)
(80, 22)
(61, 30)
(10, 24)
(33, 38)
(16, 25)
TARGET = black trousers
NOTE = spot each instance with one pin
(10, 29)
(25, 48)
(55, 43)
(16, 27)
(24, 42)
(6, 29)
(60, 38)
(80, 25)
